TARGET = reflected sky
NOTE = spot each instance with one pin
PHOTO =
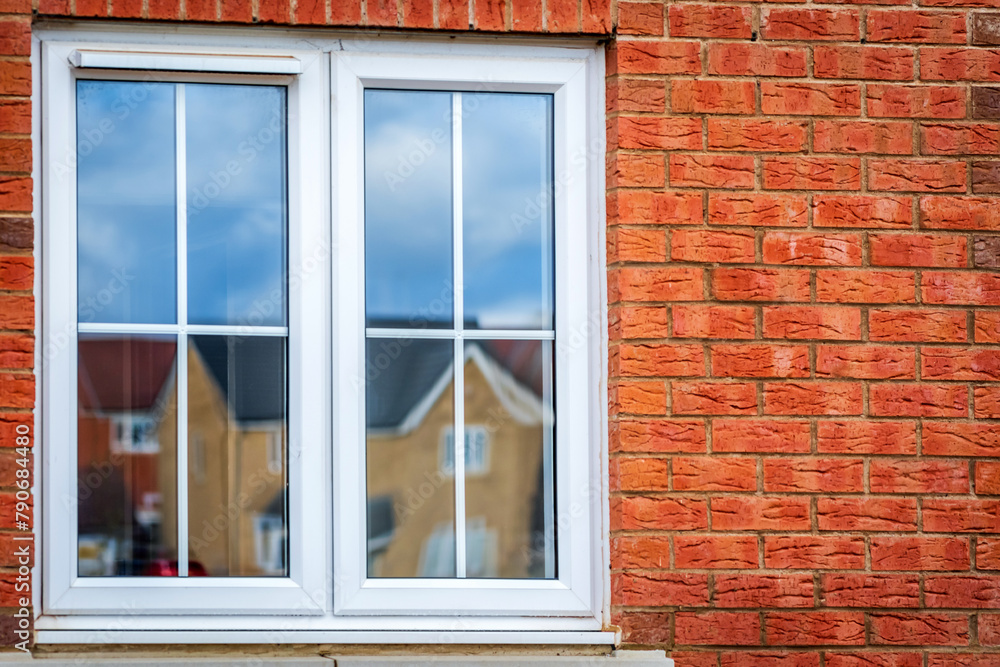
(126, 202)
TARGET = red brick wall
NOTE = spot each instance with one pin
(805, 312)
(804, 289)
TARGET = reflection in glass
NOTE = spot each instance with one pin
(507, 210)
(127, 441)
(236, 455)
(126, 198)
(509, 435)
(408, 209)
(411, 498)
(236, 203)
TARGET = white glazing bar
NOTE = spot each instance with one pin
(447, 334)
(549, 537)
(182, 370)
(459, 278)
(216, 329)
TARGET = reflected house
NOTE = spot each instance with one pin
(236, 454)
(410, 459)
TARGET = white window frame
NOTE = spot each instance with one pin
(328, 597)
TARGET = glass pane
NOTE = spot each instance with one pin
(236, 204)
(237, 480)
(509, 436)
(507, 209)
(126, 194)
(408, 212)
(411, 497)
(126, 465)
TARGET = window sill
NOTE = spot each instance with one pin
(286, 636)
(616, 658)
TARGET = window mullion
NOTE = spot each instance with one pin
(458, 442)
(182, 334)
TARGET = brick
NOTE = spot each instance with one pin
(695, 658)
(867, 590)
(812, 322)
(861, 211)
(810, 24)
(627, 94)
(712, 96)
(812, 173)
(865, 286)
(989, 629)
(813, 552)
(759, 513)
(717, 627)
(959, 64)
(986, 177)
(714, 398)
(659, 133)
(712, 171)
(658, 57)
(640, 18)
(637, 170)
(760, 284)
(959, 363)
(596, 16)
(810, 475)
(854, 437)
(17, 312)
(815, 628)
(916, 175)
(959, 213)
(452, 15)
(17, 351)
(15, 194)
(712, 21)
(636, 245)
(645, 552)
(961, 516)
(876, 659)
(652, 360)
(776, 136)
(239, 11)
(268, 12)
(760, 435)
(763, 590)
(960, 439)
(15, 36)
(639, 321)
(986, 402)
(757, 210)
(981, 289)
(986, 252)
(906, 476)
(810, 99)
(852, 136)
(642, 207)
(926, 554)
(15, 77)
(867, 514)
(644, 627)
(201, 10)
(955, 139)
(16, 273)
(985, 102)
(987, 326)
(751, 361)
(812, 249)
(658, 436)
(985, 29)
(639, 474)
(917, 326)
(988, 553)
(812, 398)
(701, 321)
(933, 250)
(728, 552)
(987, 478)
(863, 62)
(639, 513)
(892, 101)
(917, 26)
(712, 246)
(656, 284)
(865, 362)
(562, 17)
(489, 15)
(714, 474)
(526, 16)
(644, 398)
(918, 400)
(17, 390)
(962, 592)
(963, 659)
(768, 659)
(744, 59)
(661, 588)
(919, 629)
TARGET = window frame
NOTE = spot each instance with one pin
(327, 598)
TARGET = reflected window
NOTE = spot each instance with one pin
(459, 303)
(182, 329)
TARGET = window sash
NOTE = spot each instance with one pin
(328, 597)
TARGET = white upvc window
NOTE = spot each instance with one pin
(322, 345)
